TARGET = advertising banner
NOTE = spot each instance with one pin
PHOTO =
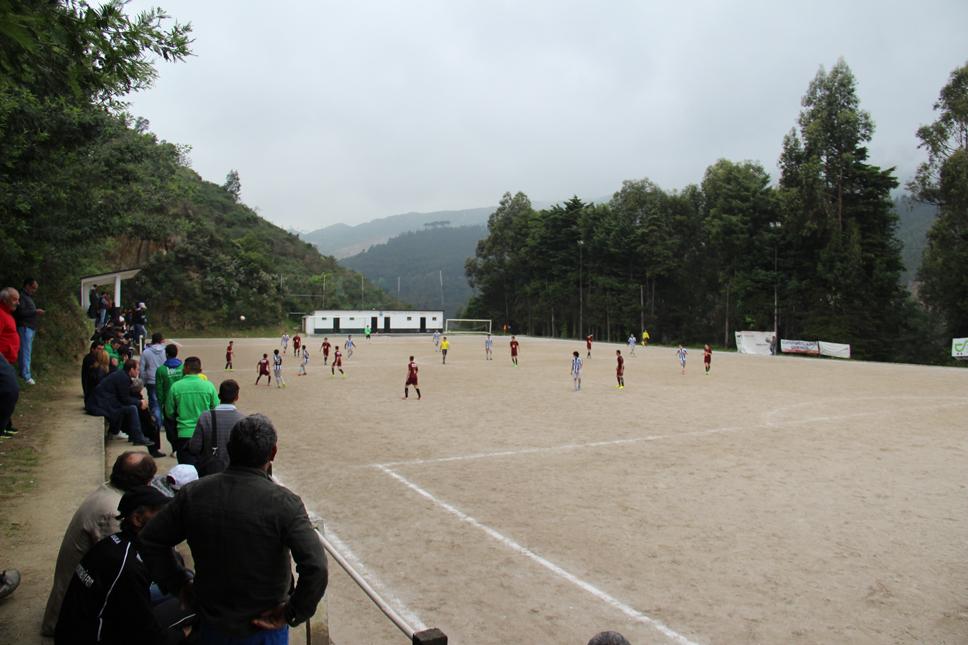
(836, 350)
(810, 347)
(959, 347)
(754, 342)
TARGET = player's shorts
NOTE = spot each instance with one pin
(411, 381)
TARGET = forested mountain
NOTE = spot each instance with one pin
(697, 264)
(418, 261)
(342, 240)
(914, 220)
(86, 188)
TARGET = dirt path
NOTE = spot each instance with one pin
(71, 465)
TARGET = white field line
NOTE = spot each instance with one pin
(769, 425)
(389, 596)
(375, 582)
(610, 600)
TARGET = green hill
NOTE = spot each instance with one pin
(342, 240)
(419, 259)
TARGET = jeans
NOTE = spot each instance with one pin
(126, 420)
(211, 635)
(153, 404)
(26, 347)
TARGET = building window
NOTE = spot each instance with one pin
(434, 318)
(409, 318)
(352, 318)
(324, 318)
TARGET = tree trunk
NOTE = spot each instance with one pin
(726, 333)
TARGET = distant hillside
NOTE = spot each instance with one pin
(914, 221)
(342, 240)
(417, 259)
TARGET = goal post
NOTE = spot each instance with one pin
(467, 326)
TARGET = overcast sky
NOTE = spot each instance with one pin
(349, 111)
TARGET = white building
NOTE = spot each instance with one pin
(352, 321)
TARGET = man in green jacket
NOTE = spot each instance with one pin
(186, 401)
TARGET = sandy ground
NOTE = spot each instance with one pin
(777, 500)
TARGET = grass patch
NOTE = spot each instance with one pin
(18, 466)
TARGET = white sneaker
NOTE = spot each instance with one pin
(31, 381)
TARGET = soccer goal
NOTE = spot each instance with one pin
(467, 326)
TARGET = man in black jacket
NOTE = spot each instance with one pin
(109, 597)
(242, 528)
(114, 401)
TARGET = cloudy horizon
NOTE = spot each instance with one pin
(347, 112)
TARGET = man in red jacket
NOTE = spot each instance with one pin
(9, 348)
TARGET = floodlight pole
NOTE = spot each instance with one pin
(581, 294)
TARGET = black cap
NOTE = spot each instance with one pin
(141, 496)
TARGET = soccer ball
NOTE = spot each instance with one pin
(241, 317)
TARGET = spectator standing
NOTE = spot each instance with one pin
(26, 316)
(9, 349)
(109, 599)
(209, 444)
(139, 322)
(241, 516)
(608, 638)
(94, 520)
(167, 374)
(188, 399)
(152, 358)
(113, 401)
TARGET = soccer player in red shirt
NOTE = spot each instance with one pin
(263, 370)
(324, 348)
(620, 369)
(296, 342)
(514, 350)
(707, 357)
(588, 345)
(229, 352)
(337, 363)
(411, 379)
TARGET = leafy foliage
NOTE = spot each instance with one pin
(819, 249)
(943, 180)
(84, 188)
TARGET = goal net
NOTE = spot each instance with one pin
(467, 326)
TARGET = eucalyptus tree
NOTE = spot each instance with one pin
(943, 180)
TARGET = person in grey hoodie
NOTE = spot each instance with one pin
(151, 358)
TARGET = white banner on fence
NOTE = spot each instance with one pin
(837, 350)
(959, 347)
(754, 342)
(811, 347)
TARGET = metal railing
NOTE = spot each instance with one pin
(432, 636)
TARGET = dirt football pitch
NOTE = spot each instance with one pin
(776, 500)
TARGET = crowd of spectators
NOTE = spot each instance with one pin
(118, 577)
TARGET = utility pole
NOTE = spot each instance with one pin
(441, 288)
(398, 287)
(362, 292)
(581, 293)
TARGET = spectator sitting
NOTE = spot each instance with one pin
(87, 363)
(94, 520)
(93, 376)
(187, 400)
(113, 401)
(241, 516)
(109, 598)
(177, 477)
(149, 427)
(209, 444)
